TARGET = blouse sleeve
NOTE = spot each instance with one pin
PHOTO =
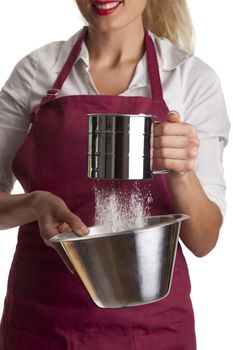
(204, 107)
(14, 116)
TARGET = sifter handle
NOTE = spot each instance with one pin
(159, 171)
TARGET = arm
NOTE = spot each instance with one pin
(15, 210)
(199, 233)
(193, 152)
(175, 147)
(50, 211)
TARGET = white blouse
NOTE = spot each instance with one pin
(189, 86)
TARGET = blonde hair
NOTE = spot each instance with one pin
(170, 19)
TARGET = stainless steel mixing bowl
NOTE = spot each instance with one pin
(126, 268)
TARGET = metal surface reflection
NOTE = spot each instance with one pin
(126, 268)
(119, 146)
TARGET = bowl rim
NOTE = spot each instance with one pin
(71, 236)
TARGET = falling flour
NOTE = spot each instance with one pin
(117, 211)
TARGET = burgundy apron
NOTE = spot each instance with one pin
(47, 307)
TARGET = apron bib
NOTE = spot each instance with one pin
(47, 307)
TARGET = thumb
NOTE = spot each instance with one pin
(173, 117)
(75, 223)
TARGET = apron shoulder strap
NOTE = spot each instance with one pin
(70, 62)
(57, 86)
(153, 69)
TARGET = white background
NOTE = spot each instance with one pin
(26, 25)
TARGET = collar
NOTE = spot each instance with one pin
(169, 56)
(140, 79)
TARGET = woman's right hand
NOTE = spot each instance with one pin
(54, 217)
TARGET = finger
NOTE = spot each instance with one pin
(173, 117)
(176, 153)
(178, 165)
(165, 141)
(75, 223)
(175, 129)
(64, 227)
(48, 227)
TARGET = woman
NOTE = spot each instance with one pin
(47, 307)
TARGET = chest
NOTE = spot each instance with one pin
(112, 81)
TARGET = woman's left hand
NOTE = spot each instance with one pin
(175, 145)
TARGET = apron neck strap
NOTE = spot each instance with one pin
(153, 69)
(70, 62)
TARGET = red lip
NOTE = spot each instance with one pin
(105, 12)
(104, 2)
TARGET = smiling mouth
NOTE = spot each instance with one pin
(105, 7)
